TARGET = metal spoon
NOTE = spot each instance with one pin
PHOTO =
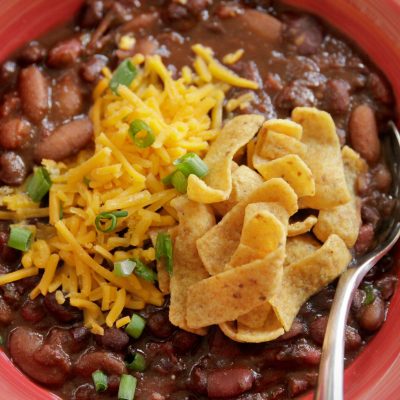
(330, 380)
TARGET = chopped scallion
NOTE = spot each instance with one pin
(164, 250)
(191, 163)
(369, 294)
(143, 271)
(138, 363)
(100, 381)
(124, 268)
(123, 75)
(127, 387)
(136, 326)
(39, 185)
(179, 181)
(137, 129)
(20, 238)
(167, 180)
(111, 218)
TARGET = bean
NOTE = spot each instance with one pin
(7, 254)
(379, 88)
(32, 53)
(184, 341)
(80, 337)
(364, 133)
(6, 314)
(337, 96)
(381, 178)
(65, 141)
(109, 363)
(298, 383)
(297, 328)
(198, 380)
(371, 316)
(64, 53)
(48, 365)
(113, 339)
(159, 325)
(386, 285)
(33, 310)
(93, 13)
(365, 239)
(13, 133)
(90, 70)
(33, 90)
(295, 94)
(12, 169)
(85, 392)
(301, 352)
(67, 97)
(229, 382)
(10, 105)
(62, 312)
(146, 46)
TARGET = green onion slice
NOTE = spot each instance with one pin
(369, 294)
(143, 271)
(138, 127)
(164, 250)
(136, 326)
(127, 387)
(138, 363)
(111, 218)
(100, 381)
(191, 163)
(179, 181)
(39, 185)
(124, 268)
(20, 238)
(123, 75)
(167, 180)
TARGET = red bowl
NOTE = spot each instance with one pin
(372, 24)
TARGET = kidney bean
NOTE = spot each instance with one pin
(92, 14)
(13, 133)
(371, 316)
(295, 94)
(67, 97)
(184, 342)
(113, 383)
(369, 213)
(301, 352)
(337, 96)
(297, 328)
(298, 383)
(109, 363)
(34, 93)
(268, 377)
(364, 133)
(6, 314)
(386, 285)
(65, 141)
(228, 10)
(7, 254)
(85, 392)
(198, 380)
(304, 32)
(379, 88)
(11, 294)
(158, 324)
(12, 169)
(229, 382)
(221, 346)
(80, 336)
(90, 71)
(317, 331)
(365, 239)
(49, 366)
(113, 339)
(381, 178)
(64, 53)
(62, 312)
(7, 73)
(33, 310)
(32, 53)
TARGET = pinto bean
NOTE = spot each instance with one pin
(109, 363)
(64, 53)
(113, 339)
(13, 133)
(65, 141)
(6, 314)
(67, 97)
(371, 316)
(229, 382)
(159, 325)
(34, 93)
(33, 310)
(12, 168)
(62, 312)
(364, 133)
(50, 366)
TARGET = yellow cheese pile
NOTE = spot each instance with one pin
(76, 259)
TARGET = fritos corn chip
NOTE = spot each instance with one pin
(299, 247)
(194, 220)
(323, 157)
(344, 220)
(217, 185)
(217, 246)
(300, 227)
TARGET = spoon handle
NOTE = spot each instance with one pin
(330, 380)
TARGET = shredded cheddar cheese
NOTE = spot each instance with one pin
(185, 114)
